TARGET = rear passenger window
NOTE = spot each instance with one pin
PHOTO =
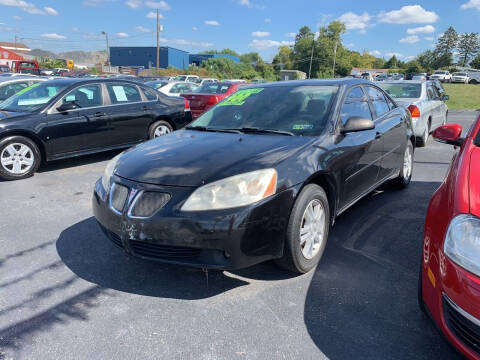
(378, 101)
(150, 95)
(123, 93)
(355, 104)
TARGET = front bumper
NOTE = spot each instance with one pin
(221, 239)
(459, 80)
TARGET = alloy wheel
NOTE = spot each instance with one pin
(161, 130)
(312, 229)
(407, 163)
(17, 158)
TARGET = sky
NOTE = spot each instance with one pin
(382, 28)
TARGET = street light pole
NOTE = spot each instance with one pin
(158, 43)
(334, 57)
(108, 48)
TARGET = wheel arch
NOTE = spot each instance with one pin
(328, 183)
(164, 118)
(29, 135)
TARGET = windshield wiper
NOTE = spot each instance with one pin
(253, 130)
(9, 110)
(204, 128)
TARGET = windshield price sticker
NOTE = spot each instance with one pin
(302, 127)
(238, 98)
(23, 91)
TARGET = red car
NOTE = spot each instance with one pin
(209, 95)
(449, 283)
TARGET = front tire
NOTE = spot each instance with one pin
(307, 231)
(159, 128)
(19, 158)
(403, 180)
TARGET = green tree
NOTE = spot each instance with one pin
(468, 47)
(283, 60)
(446, 45)
(251, 58)
(392, 63)
(224, 51)
(413, 67)
(428, 60)
(476, 62)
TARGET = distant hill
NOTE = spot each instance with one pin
(79, 57)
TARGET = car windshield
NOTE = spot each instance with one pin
(440, 72)
(294, 110)
(33, 97)
(180, 78)
(460, 74)
(403, 90)
(156, 84)
(213, 88)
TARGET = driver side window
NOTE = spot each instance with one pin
(85, 96)
(355, 104)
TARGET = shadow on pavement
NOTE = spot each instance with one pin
(90, 255)
(362, 300)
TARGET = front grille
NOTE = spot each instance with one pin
(118, 196)
(148, 203)
(162, 251)
(115, 239)
(465, 327)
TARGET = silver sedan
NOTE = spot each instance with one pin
(426, 105)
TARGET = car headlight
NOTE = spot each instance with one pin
(462, 242)
(107, 174)
(234, 191)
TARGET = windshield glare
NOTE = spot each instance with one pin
(213, 88)
(459, 74)
(400, 91)
(33, 97)
(301, 110)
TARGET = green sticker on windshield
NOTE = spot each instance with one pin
(27, 89)
(238, 98)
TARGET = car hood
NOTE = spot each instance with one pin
(193, 158)
(474, 182)
(7, 115)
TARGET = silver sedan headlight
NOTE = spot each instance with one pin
(234, 191)
(462, 242)
(108, 173)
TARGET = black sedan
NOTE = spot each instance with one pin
(70, 117)
(262, 175)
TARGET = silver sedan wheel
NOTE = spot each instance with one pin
(161, 130)
(312, 234)
(17, 158)
(407, 163)
(426, 135)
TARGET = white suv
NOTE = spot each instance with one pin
(443, 76)
(460, 77)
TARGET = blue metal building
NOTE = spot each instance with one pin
(197, 59)
(146, 56)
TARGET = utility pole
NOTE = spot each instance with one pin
(311, 60)
(108, 48)
(158, 43)
(334, 57)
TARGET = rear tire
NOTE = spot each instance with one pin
(307, 231)
(403, 180)
(426, 134)
(19, 158)
(159, 128)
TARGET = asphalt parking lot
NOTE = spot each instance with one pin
(67, 293)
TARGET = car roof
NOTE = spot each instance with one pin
(404, 82)
(79, 81)
(318, 82)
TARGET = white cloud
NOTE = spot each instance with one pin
(133, 3)
(390, 54)
(291, 34)
(410, 14)
(142, 29)
(51, 11)
(427, 29)
(194, 28)
(356, 22)
(429, 38)
(153, 15)
(408, 58)
(75, 29)
(250, 5)
(375, 53)
(323, 20)
(472, 4)
(121, 35)
(53, 36)
(212, 22)
(265, 44)
(412, 39)
(185, 42)
(161, 5)
(16, 17)
(29, 7)
(268, 20)
(260, 34)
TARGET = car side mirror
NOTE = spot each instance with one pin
(67, 106)
(449, 134)
(445, 97)
(356, 123)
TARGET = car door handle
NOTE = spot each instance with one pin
(378, 135)
(146, 108)
(99, 114)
